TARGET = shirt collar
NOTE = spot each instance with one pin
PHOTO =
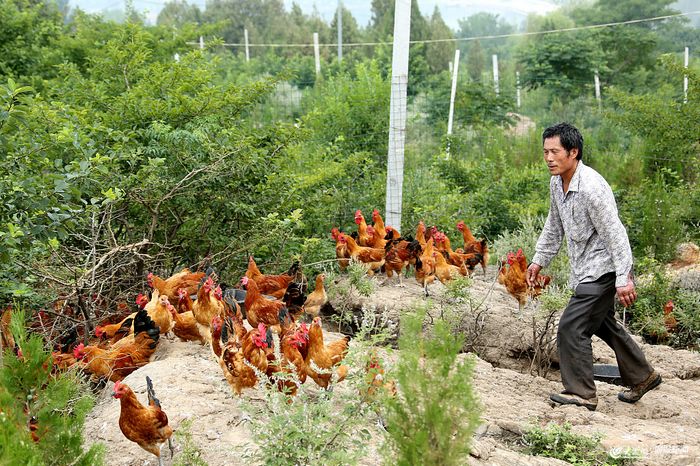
(576, 179)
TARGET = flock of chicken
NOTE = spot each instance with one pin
(274, 347)
(383, 249)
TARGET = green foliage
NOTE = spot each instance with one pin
(352, 112)
(31, 394)
(669, 128)
(655, 288)
(557, 441)
(655, 219)
(476, 104)
(190, 455)
(564, 63)
(432, 418)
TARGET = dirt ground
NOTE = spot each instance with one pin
(664, 426)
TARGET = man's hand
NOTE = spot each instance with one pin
(532, 274)
(627, 294)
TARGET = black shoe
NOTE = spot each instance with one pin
(570, 399)
(635, 393)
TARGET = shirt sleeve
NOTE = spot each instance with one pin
(602, 211)
(552, 234)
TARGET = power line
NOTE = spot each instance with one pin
(467, 39)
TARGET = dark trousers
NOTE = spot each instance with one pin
(591, 311)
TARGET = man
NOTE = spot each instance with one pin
(583, 209)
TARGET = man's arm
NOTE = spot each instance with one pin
(603, 214)
(551, 237)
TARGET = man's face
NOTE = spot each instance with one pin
(558, 159)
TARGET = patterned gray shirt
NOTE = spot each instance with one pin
(596, 238)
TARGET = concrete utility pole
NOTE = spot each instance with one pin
(397, 115)
(340, 31)
(453, 92)
(317, 57)
(201, 43)
(247, 51)
(517, 88)
(685, 77)
(596, 81)
(494, 60)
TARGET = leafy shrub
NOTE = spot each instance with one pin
(655, 289)
(655, 217)
(557, 441)
(431, 420)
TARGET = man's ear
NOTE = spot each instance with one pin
(574, 152)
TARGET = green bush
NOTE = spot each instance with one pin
(432, 418)
(655, 288)
(655, 218)
(557, 441)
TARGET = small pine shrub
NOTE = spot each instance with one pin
(55, 404)
(431, 419)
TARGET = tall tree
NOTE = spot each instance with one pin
(475, 61)
(631, 47)
(179, 12)
(439, 54)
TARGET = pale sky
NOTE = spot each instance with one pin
(452, 10)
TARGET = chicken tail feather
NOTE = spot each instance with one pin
(152, 400)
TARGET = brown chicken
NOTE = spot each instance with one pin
(292, 363)
(472, 245)
(260, 309)
(185, 326)
(392, 233)
(373, 258)
(470, 261)
(420, 234)
(183, 279)
(362, 234)
(378, 224)
(115, 332)
(271, 285)
(317, 298)
(670, 321)
(254, 349)
(6, 338)
(512, 276)
(147, 426)
(125, 356)
(160, 314)
(324, 357)
(341, 250)
(184, 301)
(209, 303)
(425, 266)
(400, 253)
(447, 272)
(375, 239)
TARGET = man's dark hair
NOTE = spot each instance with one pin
(569, 136)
